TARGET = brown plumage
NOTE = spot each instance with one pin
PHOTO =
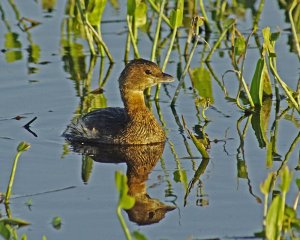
(132, 125)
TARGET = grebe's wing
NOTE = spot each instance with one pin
(100, 126)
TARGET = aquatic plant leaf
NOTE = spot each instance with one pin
(56, 222)
(94, 10)
(265, 187)
(140, 14)
(34, 52)
(14, 222)
(256, 89)
(239, 45)
(269, 155)
(267, 43)
(4, 232)
(242, 169)
(176, 15)
(139, 236)
(44, 237)
(274, 218)
(286, 178)
(131, 5)
(180, 176)
(202, 82)
(86, 168)
(24, 237)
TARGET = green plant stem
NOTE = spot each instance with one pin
(204, 15)
(184, 72)
(294, 4)
(153, 53)
(12, 177)
(123, 224)
(153, 5)
(136, 51)
(218, 42)
(257, 16)
(166, 59)
(100, 41)
(87, 33)
(284, 86)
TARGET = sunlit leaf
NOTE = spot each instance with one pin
(286, 178)
(95, 10)
(12, 41)
(48, 5)
(56, 222)
(274, 219)
(34, 52)
(139, 236)
(140, 14)
(202, 83)
(180, 176)
(24, 237)
(4, 232)
(256, 89)
(265, 187)
(239, 45)
(12, 56)
(125, 201)
(131, 5)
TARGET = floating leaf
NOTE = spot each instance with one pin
(265, 187)
(56, 222)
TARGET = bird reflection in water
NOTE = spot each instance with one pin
(140, 161)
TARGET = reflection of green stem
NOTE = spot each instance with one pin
(294, 4)
(127, 48)
(123, 224)
(157, 30)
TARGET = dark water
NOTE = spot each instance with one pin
(221, 203)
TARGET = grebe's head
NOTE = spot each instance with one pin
(140, 74)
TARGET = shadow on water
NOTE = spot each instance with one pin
(140, 161)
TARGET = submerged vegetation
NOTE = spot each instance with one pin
(191, 34)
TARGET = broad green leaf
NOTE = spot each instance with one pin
(140, 14)
(23, 146)
(256, 89)
(48, 5)
(239, 45)
(56, 222)
(24, 237)
(125, 201)
(131, 5)
(286, 178)
(4, 232)
(180, 176)
(176, 17)
(202, 82)
(95, 10)
(139, 236)
(265, 187)
(274, 219)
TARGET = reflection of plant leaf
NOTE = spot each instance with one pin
(256, 89)
(14, 222)
(139, 236)
(34, 53)
(202, 82)
(260, 122)
(176, 15)
(86, 168)
(239, 45)
(180, 176)
(125, 201)
(11, 40)
(242, 169)
(12, 56)
(269, 155)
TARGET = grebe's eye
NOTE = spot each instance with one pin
(148, 72)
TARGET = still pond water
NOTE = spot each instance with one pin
(223, 202)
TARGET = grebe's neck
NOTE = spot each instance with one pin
(134, 101)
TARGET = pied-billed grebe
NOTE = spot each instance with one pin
(132, 125)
